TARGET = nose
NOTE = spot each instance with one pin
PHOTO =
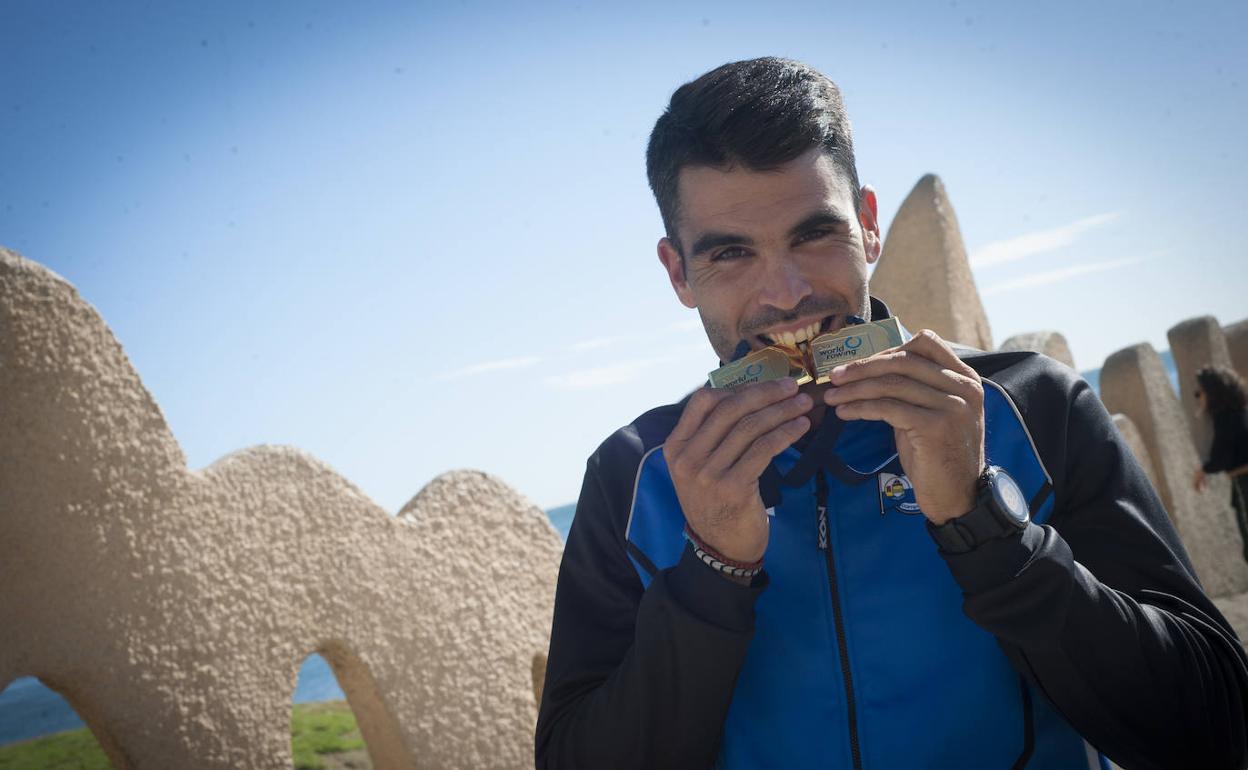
(783, 285)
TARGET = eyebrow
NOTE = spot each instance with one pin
(708, 241)
(821, 218)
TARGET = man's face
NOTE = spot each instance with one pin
(772, 256)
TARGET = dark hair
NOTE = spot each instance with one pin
(759, 113)
(1223, 389)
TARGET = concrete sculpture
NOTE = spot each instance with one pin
(1135, 441)
(1134, 383)
(172, 607)
(1194, 343)
(1052, 344)
(1237, 346)
(924, 275)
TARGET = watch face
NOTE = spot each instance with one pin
(1010, 497)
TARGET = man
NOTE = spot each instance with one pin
(952, 559)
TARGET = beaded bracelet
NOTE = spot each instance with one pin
(717, 561)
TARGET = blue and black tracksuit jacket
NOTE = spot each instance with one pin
(862, 645)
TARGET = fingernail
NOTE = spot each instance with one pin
(803, 400)
(838, 371)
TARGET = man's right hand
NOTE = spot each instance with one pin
(715, 454)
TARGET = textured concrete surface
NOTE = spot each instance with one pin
(1194, 343)
(923, 273)
(1131, 435)
(1235, 608)
(1236, 335)
(172, 607)
(1134, 383)
(539, 676)
(1052, 344)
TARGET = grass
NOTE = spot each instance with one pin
(318, 732)
(318, 729)
(70, 750)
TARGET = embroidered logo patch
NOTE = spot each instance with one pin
(896, 494)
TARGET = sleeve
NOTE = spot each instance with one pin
(1102, 610)
(1222, 452)
(637, 678)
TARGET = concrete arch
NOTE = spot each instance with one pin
(383, 736)
(173, 600)
(93, 715)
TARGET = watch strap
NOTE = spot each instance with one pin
(966, 531)
(979, 525)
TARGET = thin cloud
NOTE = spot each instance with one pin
(603, 376)
(596, 343)
(627, 371)
(687, 325)
(1054, 276)
(1029, 244)
(490, 366)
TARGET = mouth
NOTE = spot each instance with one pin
(790, 336)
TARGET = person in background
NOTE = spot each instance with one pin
(1220, 393)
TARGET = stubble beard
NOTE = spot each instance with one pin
(724, 340)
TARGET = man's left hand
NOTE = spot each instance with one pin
(935, 403)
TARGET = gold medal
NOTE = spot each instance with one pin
(810, 361)
(770, 363)
(851, 343)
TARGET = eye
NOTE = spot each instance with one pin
(812, 235)
(730, 253)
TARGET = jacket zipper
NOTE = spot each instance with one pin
(821, 502)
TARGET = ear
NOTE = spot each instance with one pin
(869, 218)
(675, 266)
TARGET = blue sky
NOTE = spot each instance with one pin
(412, 238)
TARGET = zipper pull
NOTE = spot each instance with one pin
(821, 506)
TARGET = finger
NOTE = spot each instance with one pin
(696, 409)
(896, 413)
(912, 364)
(750, 427)
(929, 344)
(729, 411)
(896, 386)
(751, 465)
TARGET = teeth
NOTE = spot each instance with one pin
(807, 333)
(790, 339)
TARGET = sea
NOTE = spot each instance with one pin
(28, 709)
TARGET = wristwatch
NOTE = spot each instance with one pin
(1000, 511)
